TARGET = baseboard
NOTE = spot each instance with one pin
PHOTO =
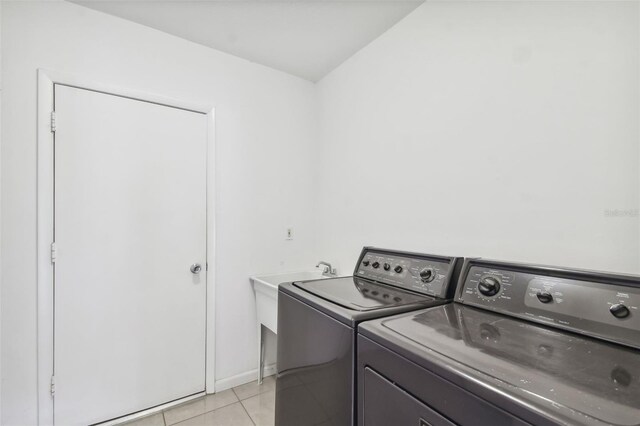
(242, 378)
(144, 413)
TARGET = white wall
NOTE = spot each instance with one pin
(494, 129)
(265, 132)
(0, 212)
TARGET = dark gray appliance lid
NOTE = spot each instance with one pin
(581, 379)
(360, 295)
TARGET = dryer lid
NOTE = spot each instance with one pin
(579, 378)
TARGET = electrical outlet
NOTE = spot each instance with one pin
(289, 234)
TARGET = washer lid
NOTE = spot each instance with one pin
(584, 380)
(360, 295)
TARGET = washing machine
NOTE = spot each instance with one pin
(317, 320)
(520, 345)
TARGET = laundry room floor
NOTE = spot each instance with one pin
(246, 405)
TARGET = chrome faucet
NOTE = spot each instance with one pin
(328, 270)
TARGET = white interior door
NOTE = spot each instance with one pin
(130, 220)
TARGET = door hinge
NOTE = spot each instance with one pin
(54, 252)
(53, 385)
(53, 121)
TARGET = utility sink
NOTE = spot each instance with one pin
(271, 282)
(266, 288)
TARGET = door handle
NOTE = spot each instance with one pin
(196, 268)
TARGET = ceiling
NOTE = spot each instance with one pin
(306, 38)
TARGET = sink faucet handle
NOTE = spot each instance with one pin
(328, 269)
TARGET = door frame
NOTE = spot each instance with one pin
(45, 186)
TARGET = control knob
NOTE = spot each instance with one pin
(365, 262)
(386, 266)
(398, 269)
(489, 286)
(427, 275)
(619, 310)
(375, 265)
(544, 296)
(621, 376)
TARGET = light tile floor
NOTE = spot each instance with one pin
(250, 404)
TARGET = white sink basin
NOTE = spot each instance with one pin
(271, 282)
(266, 288)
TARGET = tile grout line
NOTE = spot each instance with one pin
(251, 396)
(260, 409)
(260, 392)
(235, 393)
(249, 415)
(238, 399)
(204, 412)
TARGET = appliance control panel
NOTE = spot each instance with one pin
(425, 274)
(599, 304)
